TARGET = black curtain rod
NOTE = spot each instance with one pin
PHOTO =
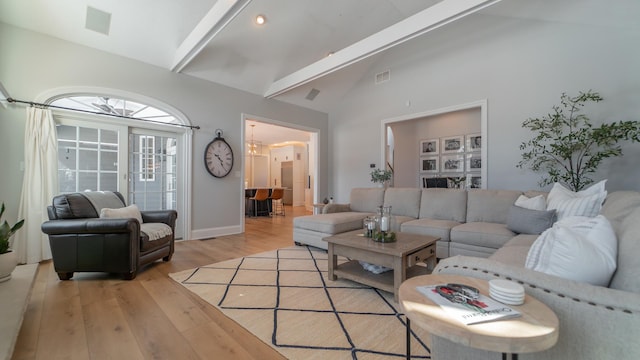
(11, 100)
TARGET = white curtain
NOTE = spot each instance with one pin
(39, 186)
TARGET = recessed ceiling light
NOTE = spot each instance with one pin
(261, 19)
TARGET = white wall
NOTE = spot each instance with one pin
(520, 66)
(32, 64)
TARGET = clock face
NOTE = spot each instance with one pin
(218, 158)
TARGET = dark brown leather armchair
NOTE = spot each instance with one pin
(82, 241)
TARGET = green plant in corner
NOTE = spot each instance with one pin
(568, 147)
(7, 231)
(381, 176)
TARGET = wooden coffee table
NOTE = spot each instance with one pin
(402, 256)
(535, 330)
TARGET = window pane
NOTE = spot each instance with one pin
(66, 132)
(87, 134)
(108, 182)
(108, 161)
(87, 181)
(66, 158)
(67, 181)
(88, 160)
(108, 137)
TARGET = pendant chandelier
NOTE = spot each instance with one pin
(254, 147)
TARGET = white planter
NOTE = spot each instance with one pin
(8, 262)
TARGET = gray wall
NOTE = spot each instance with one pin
(31, 64)
(520, 66)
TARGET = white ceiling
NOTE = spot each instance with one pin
(219, 42)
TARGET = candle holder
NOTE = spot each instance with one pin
(369, 226)
(385, 223)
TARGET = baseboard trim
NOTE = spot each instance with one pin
(215, 232)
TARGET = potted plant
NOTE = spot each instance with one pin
(567, 147)
(8, 259)
(382, 177)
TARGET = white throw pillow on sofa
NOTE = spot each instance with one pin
(130, 211)
(587, 202)
(534, 203)
(577, 248)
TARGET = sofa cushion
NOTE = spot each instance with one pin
(443, 204)
(432, 227)
(160, 237)
(522, 240)
(366, 199)
(403, 201)
(485, 234)
(526, 221)
(511, 255)
(627, 275)
(127, 212)
(490, 206)
(567, 203)
(576, 248)
(538, 202)
(333, 223)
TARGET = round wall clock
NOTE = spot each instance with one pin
(218, 157)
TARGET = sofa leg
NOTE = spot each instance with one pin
(65, 275)
(167, 258)
(129, 276)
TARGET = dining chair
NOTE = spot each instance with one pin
(276, 201)
(260, 195)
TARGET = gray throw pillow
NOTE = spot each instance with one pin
(526, 221)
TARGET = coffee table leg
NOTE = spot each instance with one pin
(399, 274)
(333, 262)
(408, 339)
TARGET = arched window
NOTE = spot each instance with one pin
(117, 107)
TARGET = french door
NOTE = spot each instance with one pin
(142, 164)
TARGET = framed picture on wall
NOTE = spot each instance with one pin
(474, 162)
(453, 144)
(474, 181)
(452, 163)
(429, 164)
(429, 147)
(474, 142)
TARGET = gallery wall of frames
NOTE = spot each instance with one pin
(453, 161)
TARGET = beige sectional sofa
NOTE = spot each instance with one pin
(467, 222)
(596, 322)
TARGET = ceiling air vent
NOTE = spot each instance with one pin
(98, 20)
(383, 76)
(312, 94)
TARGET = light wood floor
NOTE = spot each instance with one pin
(98, 316)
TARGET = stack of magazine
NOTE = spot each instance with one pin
(471, 310)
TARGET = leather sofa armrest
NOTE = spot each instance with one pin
(90, 226)
(168, 217)
(335, 208)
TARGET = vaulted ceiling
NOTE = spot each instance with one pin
(287, 57)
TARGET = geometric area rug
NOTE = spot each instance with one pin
(284, 298)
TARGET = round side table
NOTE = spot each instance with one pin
(535, 330)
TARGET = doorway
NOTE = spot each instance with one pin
(264, 140)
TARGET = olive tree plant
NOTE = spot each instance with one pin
(567, 147)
